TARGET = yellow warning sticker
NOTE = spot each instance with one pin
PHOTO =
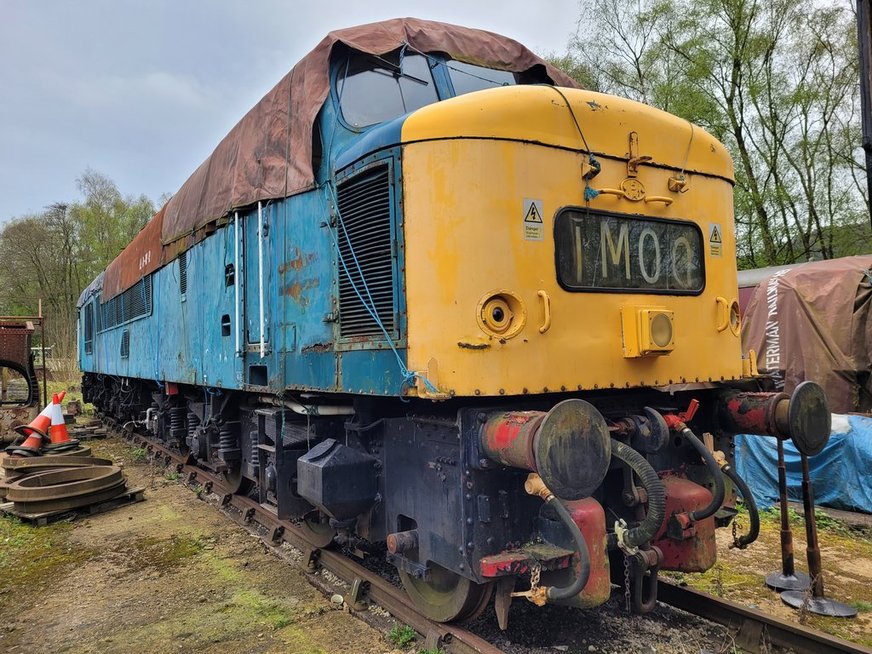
(534, 225)
(716, 240)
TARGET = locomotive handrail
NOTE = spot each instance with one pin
(546, 305)
(659, 198)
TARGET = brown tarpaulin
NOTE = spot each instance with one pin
(268, 154)
(141, 257)
(815, 322)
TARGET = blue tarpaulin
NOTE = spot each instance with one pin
(841, 474)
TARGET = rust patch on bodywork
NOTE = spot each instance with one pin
(297, 290)
(19, 393)
(318, 347)
(297, 262)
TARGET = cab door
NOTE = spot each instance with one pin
(257, 267)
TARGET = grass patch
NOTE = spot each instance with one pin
(263, 609)
(401, 636)
(137, 454)
(73, 389)
(172, 475)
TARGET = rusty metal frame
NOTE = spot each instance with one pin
(38, 319)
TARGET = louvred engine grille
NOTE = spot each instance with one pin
(365, 208)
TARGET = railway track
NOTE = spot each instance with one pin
(754, 630)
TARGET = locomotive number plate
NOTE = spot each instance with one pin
(599, 251)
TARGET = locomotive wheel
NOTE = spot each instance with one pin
(233, 480)
(446, 596)
(321, 534)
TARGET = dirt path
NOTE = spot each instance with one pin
(170, 574)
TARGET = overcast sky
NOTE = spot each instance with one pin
(143, 91)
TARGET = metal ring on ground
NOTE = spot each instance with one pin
(81, 450)
(71, 482)
(14, 466)
(66, 446)
(69, 503)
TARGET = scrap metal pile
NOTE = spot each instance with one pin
(48, 473)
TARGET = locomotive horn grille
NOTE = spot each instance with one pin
(365, 207)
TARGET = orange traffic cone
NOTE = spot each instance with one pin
(58, 435)
(34, 434)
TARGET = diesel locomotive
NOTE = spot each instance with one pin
(433, 302)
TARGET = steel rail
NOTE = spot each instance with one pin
(452, 639)
(755, 629)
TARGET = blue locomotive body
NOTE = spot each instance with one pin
(255, 305)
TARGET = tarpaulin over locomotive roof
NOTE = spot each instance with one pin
(268, 154)
(143, 255)
(815, 322)
(96, 286)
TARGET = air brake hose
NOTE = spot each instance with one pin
(535, 486)
(714, 470)
(581, 578)
(648, 528)
(743, 541)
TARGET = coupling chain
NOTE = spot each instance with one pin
(736, 542)
(627, 583)
(536, 594)
(535, 571)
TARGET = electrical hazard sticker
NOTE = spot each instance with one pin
(534, 225)
(716, 240)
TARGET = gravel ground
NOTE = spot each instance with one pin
(608, 628)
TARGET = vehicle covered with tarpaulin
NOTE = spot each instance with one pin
(814, 321)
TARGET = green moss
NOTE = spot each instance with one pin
(723, 579)
(220, 568)
(31, 556)
(161, 553)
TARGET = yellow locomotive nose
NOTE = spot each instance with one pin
(615, 271)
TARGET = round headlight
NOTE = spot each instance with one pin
(735, 318)
(496, 314)
(501, 314)
(661, 330)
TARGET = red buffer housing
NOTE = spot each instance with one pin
(686, 546)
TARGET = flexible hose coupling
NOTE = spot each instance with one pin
(535, 486)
